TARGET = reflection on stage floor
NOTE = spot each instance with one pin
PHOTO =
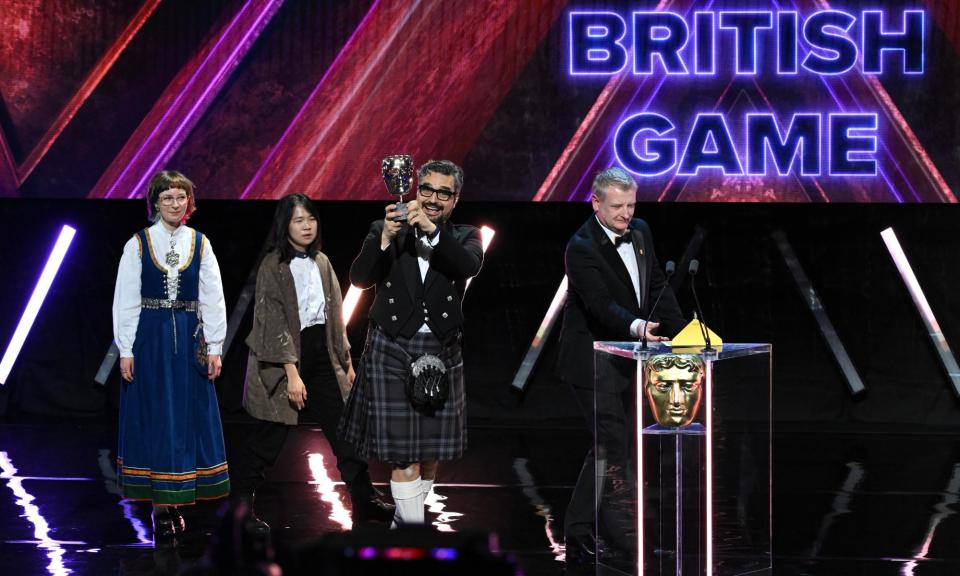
(843, 504)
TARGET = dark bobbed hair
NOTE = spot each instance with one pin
(445, 167)
(163, 181)
(279, 236)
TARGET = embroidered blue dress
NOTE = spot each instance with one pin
(171, 441)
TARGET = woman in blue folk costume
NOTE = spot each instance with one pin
(169, 322)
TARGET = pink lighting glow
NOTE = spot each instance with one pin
(708, 377)
(638, 403)
(708, 386)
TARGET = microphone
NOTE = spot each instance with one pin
(694, 267)
(670, 268)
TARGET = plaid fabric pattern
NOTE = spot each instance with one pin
(378, 419)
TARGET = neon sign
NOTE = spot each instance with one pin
(783, 43)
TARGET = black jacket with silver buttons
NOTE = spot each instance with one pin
(403, 302)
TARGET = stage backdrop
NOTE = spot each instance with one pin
(748, 100)
(757, 104)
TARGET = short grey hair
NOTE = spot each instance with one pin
(612, 176)
(445, 167)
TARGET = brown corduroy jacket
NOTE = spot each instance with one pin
(275, 338)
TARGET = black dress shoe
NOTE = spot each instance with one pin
(588, 549)
(252, 523)
(163, 528)
(179, 524)
(581, 549)
(373, 509)
(255, 525)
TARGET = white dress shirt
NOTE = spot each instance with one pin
(310, 298)
(424, 250)
(629, 257)
(127, 297)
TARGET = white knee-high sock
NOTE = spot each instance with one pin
(409, 499)
(426, 485)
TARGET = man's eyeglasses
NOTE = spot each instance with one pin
(442, 195)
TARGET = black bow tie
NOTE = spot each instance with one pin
(300, 254)
(627, 238)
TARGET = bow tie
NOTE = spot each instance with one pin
(421, 234)
(627, 238)
(299, 254)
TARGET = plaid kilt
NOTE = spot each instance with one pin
(378, 419)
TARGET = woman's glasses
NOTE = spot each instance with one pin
(171, 200)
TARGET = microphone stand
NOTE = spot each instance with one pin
(670, 268)
(694, 267)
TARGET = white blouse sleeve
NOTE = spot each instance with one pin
(213, 309)
(126, 298)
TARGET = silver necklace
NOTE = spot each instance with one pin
(172, 258)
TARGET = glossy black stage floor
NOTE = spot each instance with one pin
(872, 504)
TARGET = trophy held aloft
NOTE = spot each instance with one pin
(397, 173)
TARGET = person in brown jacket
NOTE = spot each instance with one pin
(299, 366)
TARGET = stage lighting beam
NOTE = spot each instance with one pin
(50, 270)
(486, 237)
(947, 359)
(813, 302)
(536, 347)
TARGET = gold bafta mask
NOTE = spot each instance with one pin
(673, 385)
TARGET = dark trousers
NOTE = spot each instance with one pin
(609, 417)
(324, 406)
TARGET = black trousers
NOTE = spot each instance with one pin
(324, 406)
(610, 419)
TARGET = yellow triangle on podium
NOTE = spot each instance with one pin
(692, 337)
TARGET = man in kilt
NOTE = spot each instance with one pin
(420, 268)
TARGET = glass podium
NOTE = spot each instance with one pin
(683, 459)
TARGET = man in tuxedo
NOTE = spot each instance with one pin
(612, 272)
(420, 267)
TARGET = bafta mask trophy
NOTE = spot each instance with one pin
(673, 385)
(397, 173)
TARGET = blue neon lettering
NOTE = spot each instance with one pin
(833, 51)
(700, 154)
(802, 139)
(659, 36)
(745, 26)
(659, 154)
(909, 42)
(595, 43)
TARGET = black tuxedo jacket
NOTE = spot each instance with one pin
(601, 302)
(404, 302)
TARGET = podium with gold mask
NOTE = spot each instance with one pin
(687, 490)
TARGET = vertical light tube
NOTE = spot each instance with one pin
(709, 505)
(36, 301)
(639, 407)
